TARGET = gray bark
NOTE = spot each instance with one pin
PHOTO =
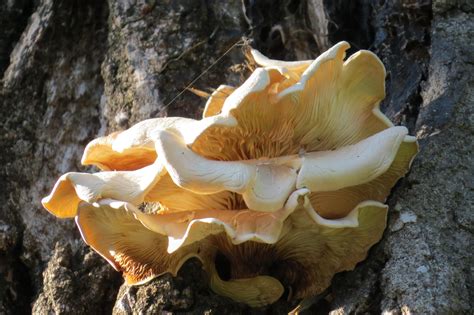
(73, 70)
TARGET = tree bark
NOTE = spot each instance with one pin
(74, 70)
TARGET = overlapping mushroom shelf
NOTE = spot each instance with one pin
(284, 176)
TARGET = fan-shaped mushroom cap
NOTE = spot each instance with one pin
(265, 185)
(332, 104)
(72, 188)
(122, 235)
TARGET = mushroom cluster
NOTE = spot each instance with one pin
(278, 187)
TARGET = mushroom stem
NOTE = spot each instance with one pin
(255, 292)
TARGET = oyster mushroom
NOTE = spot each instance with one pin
(283, 181)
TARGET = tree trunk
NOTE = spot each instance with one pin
(73, 70)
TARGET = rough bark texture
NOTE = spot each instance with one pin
(73, 70)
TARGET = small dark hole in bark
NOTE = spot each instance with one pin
(264, 32)
(293, 6)
(222, 266)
